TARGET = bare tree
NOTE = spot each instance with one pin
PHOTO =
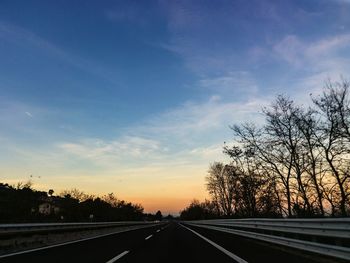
(222, 183)
(283, 131)
(252, 197)
(272, 158)
(297, 163)
(334, 139)
(308, 124)
(77, 194)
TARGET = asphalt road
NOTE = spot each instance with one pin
(171, 242)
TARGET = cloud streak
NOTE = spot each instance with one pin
(299, 53)
(28, 114)
(25, 38)
(236, 84)
(188, 134)
(113, 152)
(313, 61)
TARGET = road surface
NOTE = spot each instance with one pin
(172, 242)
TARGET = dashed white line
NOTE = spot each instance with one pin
(118, 257)
(148, 237)
(164, 227)
(158, 230)
(225, 251)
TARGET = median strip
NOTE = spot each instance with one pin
(118, 257)
(225, 251)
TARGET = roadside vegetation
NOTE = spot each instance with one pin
(296, 164)
(21, 203)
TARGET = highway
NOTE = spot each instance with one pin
(171, 242)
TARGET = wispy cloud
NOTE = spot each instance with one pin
(298, 52)
(212, 152)
(237, 84)
(189, 133)
(28, 114)
(27, 39)
(329, 45)
(189, 25)
(202, 43)
(196, 122)
(290, 49)
(314, 61)
(342, 1)
(131, 13)
(113, 152)
(15, 113)
(127, 13)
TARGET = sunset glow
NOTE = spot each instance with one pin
(136, 97)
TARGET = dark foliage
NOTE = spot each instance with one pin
(21, 203)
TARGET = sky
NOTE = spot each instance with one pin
(136, 97)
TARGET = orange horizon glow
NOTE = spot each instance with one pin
(170, 197)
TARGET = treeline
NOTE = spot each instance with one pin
(22, 203)
(296, 164)
(200, 210)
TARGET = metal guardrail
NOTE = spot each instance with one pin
(27, 229)
(336, 228)
(290, 232)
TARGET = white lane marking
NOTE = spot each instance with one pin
(158, 230)
(225, 251)
(164, 227)
(69, 242)
(148, 237)
(118, 257)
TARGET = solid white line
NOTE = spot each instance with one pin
(118, 257)
(69, 242)
(148, 237)
(225, 251)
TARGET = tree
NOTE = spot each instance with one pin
(222, 182)
(282, 128)
(303, 154)
(197, 210)
(158, 216)
(308, 123)
(266, 159)
(50, 192)
(19, 203)
(76, 194)
(334, 139)
(255, 195)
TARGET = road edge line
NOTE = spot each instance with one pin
(225, 251)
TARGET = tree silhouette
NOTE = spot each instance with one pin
(296, 163)
(158, 216)
(50, 192)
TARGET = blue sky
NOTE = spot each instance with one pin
(135, 97)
